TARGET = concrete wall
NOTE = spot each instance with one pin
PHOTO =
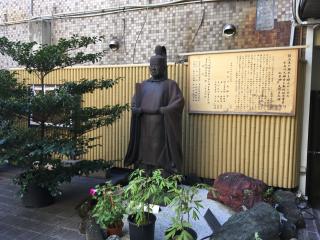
(176, 26)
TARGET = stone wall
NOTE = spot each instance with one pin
(176, 26)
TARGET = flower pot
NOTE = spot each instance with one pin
(115, 229)
(145, 231)
(36, 197)
(189, 230)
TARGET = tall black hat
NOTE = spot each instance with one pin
(161, 55)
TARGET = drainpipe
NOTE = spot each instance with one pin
(31, 8)
(306, 109)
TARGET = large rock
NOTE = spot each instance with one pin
(236, 190)
(286, 201)
(288, 206)
(261, 219)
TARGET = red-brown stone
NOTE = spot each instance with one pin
(236, 190)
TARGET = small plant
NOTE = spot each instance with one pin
(109, 209)
(301, 200)
(185, 204)
(268, 195)
(143, 191)
(256, 236)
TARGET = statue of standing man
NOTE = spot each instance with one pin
(156, 127)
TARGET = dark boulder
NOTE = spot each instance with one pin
(262, 219)
(288, 231)
(236, 190)
(288, 206)
(292, 217)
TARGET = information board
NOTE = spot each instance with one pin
(244, 82)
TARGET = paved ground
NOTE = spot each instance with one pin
(312, 231)
(60, 220)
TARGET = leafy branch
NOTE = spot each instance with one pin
(61, 118)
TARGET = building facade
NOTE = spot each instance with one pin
(139, 25)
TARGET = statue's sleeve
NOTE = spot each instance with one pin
(173, 126)
(133, 147)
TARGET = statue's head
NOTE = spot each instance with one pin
(158, 63)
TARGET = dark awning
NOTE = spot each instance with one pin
(309, 9)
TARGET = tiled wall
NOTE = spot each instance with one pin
(172, 26)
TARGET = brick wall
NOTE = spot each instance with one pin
(172, 26)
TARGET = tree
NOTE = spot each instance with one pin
(63, 121)
(13, 96)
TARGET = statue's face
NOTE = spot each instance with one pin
(156, 70)
(157, 67)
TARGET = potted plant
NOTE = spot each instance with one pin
(141, 193)
(60, 121)
(38, 187)
(184, 204)
(109, 209)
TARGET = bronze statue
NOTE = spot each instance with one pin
(156, 131)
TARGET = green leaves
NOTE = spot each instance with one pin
(13, 98)
(62, 121)
(177, 230)
(185, 203)
(144, 190)
(109, 209)
(20, 52)
(51, 174)
(88, 86)
(10, 87)
(43, 59)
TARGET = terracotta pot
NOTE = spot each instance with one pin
(116, 229)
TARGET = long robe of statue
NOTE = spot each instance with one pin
(156, 130)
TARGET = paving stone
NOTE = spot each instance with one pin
(27, 224)
(3, 215)
(12, 233)
(312, 236)
(8, 191)
(4, 228)
(62, 233)
(10, 201)
(44, 217)
(44, 237)
(72, 224)
(28, 235)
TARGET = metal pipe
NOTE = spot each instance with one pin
(306, 107)
(31, 7)
(107, 11)
(293, 29)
